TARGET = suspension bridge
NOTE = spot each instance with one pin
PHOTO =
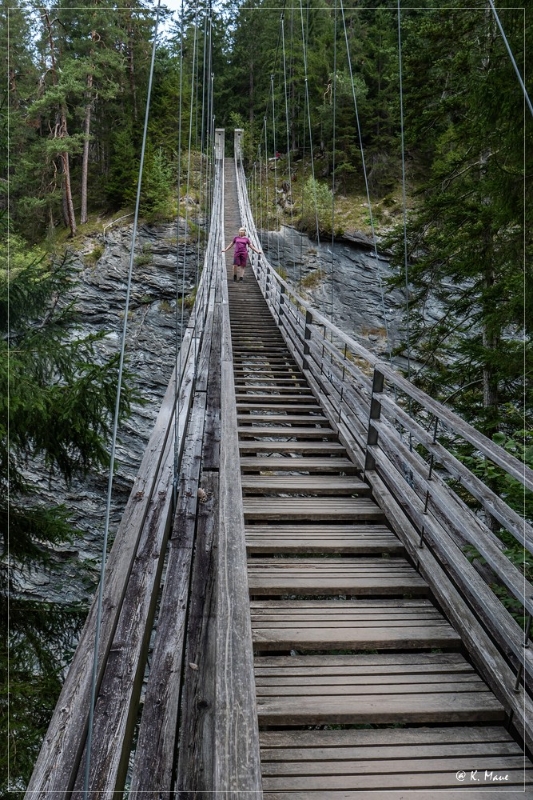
(299, 619)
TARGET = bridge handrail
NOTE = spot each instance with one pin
(374, 426)
(59, 767)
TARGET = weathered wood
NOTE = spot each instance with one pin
(116, 704)
(307, 448)
(481, 648)
(300, 419)
(410, 740)
(154, 759)
(323, 538)
(311, 508)
(286, 432)
(472, 586)
(304, 484)
(512, 521)
(335, 626)
(333, 576)
(63, 745)
(197, 735)
(270, 463)
(237, 770)
(452, 513)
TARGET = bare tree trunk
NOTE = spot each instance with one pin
(66, 181)
(251, 95)
(85, 161)
(61, 132)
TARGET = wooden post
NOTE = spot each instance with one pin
(219, 144)
(238, 144)
(375, 413)
(307, 336)
(281, 303)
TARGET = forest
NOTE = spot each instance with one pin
(323, 86)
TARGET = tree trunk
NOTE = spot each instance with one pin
(85, 162)
(67, 189)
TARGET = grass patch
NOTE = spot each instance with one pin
(312, 279)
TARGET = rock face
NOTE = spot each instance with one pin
(344, 281)
(166, 269)
(344, 284)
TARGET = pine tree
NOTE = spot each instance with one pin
(466, 235)
(56, 404)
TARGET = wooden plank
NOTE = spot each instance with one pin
(487, 793)
(286, 432)
(63, 745)
(383, 782)
(305, 448)
(255, 403)
(116, 707)
(301, 419)
(354, 637)
(237, 761)
(332, 576)
(211, 451)
(381, 709)
(321, 538)
(328, 464)
(489, 661)
(303, 484)
(197, 733)
(275, 742)
(429, 766)
(276, 389)
(310, 508)
(258, 394)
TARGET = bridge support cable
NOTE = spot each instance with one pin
(129, 594)
(99, 607)
(365, 175)
(431, 519)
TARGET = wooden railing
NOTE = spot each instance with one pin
(132, 584)
(403, 441)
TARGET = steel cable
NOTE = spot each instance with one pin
(115, 423)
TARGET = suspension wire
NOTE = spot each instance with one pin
(287, 114)
(183, 270)
(266, 168)
(203, 125)
(202, 131)
(275, 163)
(404, 199)
(304, 46)
(189, 170)
(511, 56)
(115, 422)
(260, 157)
(179, 323)
(367, 188)
(333, 157)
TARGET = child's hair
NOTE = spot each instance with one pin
(242, 230)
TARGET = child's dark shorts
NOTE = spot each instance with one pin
(239, 259)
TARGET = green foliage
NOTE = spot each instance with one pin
(41, 639)
(56, 402)
(56, 405)
(466, 235)
(157, 188)
(317, 208)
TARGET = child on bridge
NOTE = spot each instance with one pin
(241, 242)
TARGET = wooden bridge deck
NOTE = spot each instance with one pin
(283, 624)
(362, 686)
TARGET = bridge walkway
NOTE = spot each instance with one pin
(362, 685)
